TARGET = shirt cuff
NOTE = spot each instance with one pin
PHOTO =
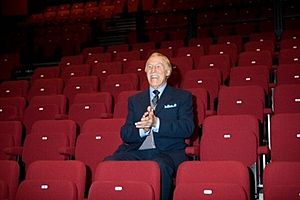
(156, 127)
(143, 133)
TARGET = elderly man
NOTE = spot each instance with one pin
(158, 122)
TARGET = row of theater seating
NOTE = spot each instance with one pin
(233, 100)
(88, 145)
(238, 98)
(216, 127)
(118, 180)
(176, 48)
(210, 23)
(255, 42)
(237, 138)
(68, 13)
(109, 77)
(225, 135)
(45, 81)
(262, 51)
(52, 41)
(47, 40)
(80, 95)
(222, 56)
(155, 22)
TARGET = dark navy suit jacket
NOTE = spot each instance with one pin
(175, 111)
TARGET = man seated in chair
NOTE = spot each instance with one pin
(158, 122)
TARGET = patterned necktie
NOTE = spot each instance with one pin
(155, 98)
(149, 141)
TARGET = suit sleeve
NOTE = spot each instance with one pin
(183, 124)
(129, 133)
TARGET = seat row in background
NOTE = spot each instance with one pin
(189, 58)
(239, 137)
(231, 45)
(83, 93)
(73, 66)
(209, 79)
(70, 13)
(236, 137)
(84, 106)
(159, 16)
(248, 100)
(239, 103)
(218, 70)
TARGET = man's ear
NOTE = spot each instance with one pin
(168, 73)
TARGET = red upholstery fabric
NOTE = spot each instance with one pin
(96, 58)
(103, 69)
(206, 191)
(214, 172)
(117, 171)
(115, 83)
(67, 61)
(285, 137)
(12, 108)
(221, 62)
(9, 176)
(248, 58)
(43, 146)
(10, 136)
(14, 88)
(121, 190)
(288, 74)
(289, 56)
(84, 84)
(96, 125)
(47, 190)
(250, 75)
(287, 98)
(209, 79)
(80, 112)
(34, 113)
(242, 100)
(121, 104)
(125, 56)
(90, 51)
(77, 70)
(193, 51)
(281, 177)
(95, 97)
(45, 73)
(70, 170)
(66, 127)
(230, 49)
(40, 87)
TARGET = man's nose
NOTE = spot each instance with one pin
(154, 69)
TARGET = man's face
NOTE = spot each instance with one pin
(157, 71)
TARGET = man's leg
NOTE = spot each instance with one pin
(131, 155)
(167, 170)
(165, 162)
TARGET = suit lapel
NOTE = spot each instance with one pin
(145, 100)
(165, 97)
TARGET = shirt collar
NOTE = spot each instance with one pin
(160, 89)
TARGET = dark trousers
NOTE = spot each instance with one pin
(166, 164)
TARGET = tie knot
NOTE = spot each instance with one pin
(156, 92)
